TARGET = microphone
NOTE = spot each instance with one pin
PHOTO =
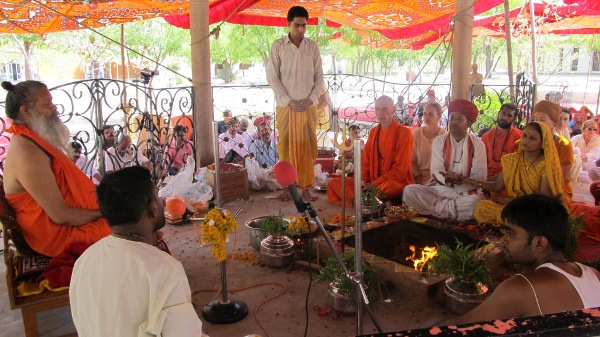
(285, 175)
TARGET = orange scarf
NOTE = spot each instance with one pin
(447, 151)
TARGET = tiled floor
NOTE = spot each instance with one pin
(258, 287)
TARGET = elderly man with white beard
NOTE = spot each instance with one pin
(54, 201)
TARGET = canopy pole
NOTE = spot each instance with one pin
(590, 65)
(461, 49)
(201, 82)
(511, 78)
(533, 49)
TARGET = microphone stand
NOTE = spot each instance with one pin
(355, 277)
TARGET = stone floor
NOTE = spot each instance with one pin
(277, 298)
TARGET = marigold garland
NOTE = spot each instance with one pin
(216, 227)
(296, 225)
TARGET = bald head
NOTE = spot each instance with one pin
(384, 111)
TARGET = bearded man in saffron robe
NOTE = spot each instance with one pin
(54, 201)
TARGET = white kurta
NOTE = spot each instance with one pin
(457, 202)
(113, 161)
(125, 288)
(295, 73)
(228, 142)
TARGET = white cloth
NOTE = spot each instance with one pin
(247, 139)
(587, 285)
(457, 202)
(113, 161)
(591, 150)
(228, 142)
(125, 288)
(295, 73)
(266, 156)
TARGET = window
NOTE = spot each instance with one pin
(575, 61)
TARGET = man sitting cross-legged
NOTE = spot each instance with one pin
(536, 235)
(454, 157)
(54, 201)
(386, 159)
(122, 285)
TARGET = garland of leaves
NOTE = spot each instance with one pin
(215, 229)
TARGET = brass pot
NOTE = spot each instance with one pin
(339, 299)
(277, 250)
(462, 297)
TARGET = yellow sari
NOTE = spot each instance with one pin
(521, 178)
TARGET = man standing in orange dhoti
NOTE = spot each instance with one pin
(295, 74)
(54, 201)
(386, 160)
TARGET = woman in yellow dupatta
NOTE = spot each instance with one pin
(534, 168)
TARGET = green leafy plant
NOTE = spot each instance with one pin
(272, 224)
(372, 196)
(462, 262)
(331, 271)
(576, 225)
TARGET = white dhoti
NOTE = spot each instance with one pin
(441, 201)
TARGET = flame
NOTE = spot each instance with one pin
(426, 254)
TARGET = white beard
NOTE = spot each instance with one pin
(52, 130)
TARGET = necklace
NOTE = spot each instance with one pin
(531, 163)
(462, 149)
(132, 235)
(494, 146)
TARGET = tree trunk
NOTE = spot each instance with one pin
(25, 48)
(489, 61)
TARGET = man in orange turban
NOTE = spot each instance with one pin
(454, 157)
(54, 201)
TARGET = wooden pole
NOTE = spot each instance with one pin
(201, 82)
(461, 49)
(511, 78)
(533, 48)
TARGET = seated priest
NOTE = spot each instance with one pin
(501, 139)
(386, 159)
(455, 157)
(54, 201)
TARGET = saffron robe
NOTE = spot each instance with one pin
(41, 233)
(385, 163)
(497, 144)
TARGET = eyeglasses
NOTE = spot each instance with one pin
(590, 129)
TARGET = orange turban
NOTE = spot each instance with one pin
(465, 107)
(552, 109)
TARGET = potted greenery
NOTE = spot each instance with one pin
(341, 294)
(277, 249)
(371, 201)
(469, 275)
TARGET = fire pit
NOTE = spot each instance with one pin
(388, 249)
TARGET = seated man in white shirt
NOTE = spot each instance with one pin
(231, 140)
(122, 285)
(124, 155)
(454, 157)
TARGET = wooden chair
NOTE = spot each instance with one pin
(14, 249)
